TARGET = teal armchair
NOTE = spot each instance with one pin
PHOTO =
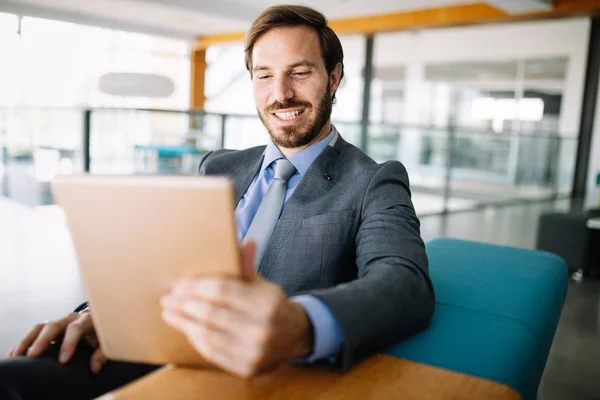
(497, 309)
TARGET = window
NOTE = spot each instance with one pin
(10, 71)
(63, 63)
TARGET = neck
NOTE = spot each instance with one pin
(322, 135)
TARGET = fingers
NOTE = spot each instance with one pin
(221, 318)
(231, 293)
(50, 332)
(74, 332)
(248, 269)
(92, 340)
(97, 361)
(22, 347)
(216, 346)
(74, 327)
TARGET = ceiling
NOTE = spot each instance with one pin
(190, 18)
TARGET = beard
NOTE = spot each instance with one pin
(303, 133)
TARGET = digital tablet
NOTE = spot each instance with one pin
(135, 236)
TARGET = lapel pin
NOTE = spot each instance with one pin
(328, 177)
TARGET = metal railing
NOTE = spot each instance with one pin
(451, 169)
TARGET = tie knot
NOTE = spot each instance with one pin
(284, 169)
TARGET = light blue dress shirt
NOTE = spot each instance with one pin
(328, 336)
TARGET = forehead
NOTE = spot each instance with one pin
(281, 47)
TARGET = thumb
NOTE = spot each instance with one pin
(248, 251)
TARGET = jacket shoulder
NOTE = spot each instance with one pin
(357, 163)
(219, 161)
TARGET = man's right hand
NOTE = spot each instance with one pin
(72, 328)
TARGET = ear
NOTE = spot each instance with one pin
(334, 78)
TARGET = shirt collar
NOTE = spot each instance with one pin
(303, 159)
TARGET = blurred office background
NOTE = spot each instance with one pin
(490, 105)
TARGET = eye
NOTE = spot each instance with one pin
(301, 73)
(263, 77)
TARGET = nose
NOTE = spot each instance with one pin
(282, 89)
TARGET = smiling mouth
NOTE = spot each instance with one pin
(288, 115)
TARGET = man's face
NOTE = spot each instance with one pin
(292, 88)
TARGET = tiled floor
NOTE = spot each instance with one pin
(39, 280)
(507, 225)
(573, 368)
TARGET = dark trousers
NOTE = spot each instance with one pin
(25, 378)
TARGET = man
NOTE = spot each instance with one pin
(342, 270)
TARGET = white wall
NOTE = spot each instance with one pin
(521, 40)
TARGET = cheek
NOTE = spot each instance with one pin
(261, 97)
(311, 92)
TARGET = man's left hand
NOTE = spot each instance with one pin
(244, 326)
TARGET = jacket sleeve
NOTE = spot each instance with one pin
(393, 296)
(202, 165)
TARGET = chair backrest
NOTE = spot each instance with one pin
(497, 309)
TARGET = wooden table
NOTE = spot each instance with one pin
(379, 377)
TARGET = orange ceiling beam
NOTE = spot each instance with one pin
(204, 42)
(561, 8)
(575, 6)
(197, 75)
(432, 17)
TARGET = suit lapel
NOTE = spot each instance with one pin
(244, 175)
(322, 175)
(244, 171)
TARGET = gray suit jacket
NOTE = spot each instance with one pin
(348, 235)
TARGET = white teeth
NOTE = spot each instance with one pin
(286, 116)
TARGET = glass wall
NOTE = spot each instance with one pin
(478, 115)
(228, 88)
(149, 142)
(492, 101)
(10, 78)
(51, 69)
(348, 107)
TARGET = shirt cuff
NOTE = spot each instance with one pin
(327, 332)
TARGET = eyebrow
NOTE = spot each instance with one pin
(303, 63)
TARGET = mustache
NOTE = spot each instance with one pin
(291, 103)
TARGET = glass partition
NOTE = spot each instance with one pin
(450, 168)
(36, 144)
(150, 141)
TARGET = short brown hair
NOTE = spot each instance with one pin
(287, 16)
